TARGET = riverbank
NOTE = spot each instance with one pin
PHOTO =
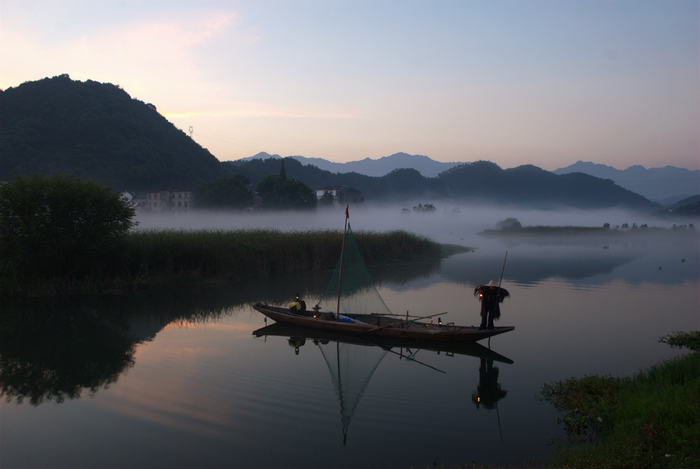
(144, 259)
(649, 420)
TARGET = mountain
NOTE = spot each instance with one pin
(96, 130)
(369, 167)
(478, 182)
(666, 185)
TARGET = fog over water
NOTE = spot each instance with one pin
(588, 259)
(456, 223)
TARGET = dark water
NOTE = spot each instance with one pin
(176, 378)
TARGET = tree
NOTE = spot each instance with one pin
(326, 200)
(279, 193)
(283, 171)
(59, 225)
(509, 224)
(231, 193)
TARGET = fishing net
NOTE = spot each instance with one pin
(351, 366)
(358, 294)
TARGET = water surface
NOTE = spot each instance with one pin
(176, 378)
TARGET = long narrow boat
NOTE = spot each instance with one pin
(371, 325)
(470, 348)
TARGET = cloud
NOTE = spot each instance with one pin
(158, 57)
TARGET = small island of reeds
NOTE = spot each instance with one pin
(511, 229)
(143, 259)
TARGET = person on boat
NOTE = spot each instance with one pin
(490, 296)
(298, 306)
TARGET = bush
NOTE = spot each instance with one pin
(58, 226)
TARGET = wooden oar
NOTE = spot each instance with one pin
(401, 322)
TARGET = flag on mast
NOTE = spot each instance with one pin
(347, 215)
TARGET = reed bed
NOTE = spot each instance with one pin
(166, 257)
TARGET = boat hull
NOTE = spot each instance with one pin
(470, 348)
(381, 326)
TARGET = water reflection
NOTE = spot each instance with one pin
(489, 391)
(352, 360)
(56, 349)
(50, 353)
(594, 265)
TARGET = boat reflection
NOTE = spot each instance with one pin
(295, 333)
(352, 360)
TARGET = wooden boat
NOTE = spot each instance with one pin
(469, 348)
(371, 325)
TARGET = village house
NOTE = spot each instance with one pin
(341, 194)
(174, 201)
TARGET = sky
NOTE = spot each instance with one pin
(542, 82)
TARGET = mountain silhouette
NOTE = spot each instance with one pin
(96, 130)
(667, 185)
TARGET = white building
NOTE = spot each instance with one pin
(175, 201)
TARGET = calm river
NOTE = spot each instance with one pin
(178, 378)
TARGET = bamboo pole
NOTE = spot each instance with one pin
(340, 269)
(401, 322)
(503, 270)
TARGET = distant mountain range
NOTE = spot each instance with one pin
(96, 130)
(369, 167)
(666, 185)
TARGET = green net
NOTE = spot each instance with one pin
(358, 294)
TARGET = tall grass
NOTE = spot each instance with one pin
(173, 256)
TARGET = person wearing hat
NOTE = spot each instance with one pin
(490, 296)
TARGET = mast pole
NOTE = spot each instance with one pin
(340, 270)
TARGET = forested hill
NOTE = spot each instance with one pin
(96, 130)
(481, 181)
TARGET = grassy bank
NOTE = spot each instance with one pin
(650, 420)
(166, 257)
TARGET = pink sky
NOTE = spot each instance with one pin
(513, 82)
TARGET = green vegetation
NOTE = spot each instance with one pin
(96, 130)
(447, 250)
(225, 193)
(606, 233)
(150, 258)
(58, 227)
(651, 420)
(62, 235)
(281, 193)
(424, 208)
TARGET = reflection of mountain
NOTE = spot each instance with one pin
(528, 266)
(667, 264)
(352, 361)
